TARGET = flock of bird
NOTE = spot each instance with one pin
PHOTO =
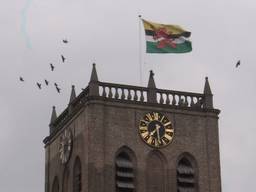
(38, 84)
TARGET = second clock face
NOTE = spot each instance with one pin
(65, 146)
(156, 130)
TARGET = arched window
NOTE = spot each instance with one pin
(65, 184)
(156, 172)
(55, 185)
(186, 174)
(77, 176)
(125, 176)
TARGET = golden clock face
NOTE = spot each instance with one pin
(156, 130)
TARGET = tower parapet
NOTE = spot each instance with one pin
(150, 95)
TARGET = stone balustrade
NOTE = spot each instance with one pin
(139, 95)
(122, 92)
(180, 99)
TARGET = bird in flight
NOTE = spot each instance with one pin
(58, 89)
(52, 66)
(38, 85)
(21, 79)
(65, 41)
(63, 58)
(238, 63)
(46, 82)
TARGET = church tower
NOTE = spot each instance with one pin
(125, 138)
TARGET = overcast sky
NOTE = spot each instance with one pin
(107, 32)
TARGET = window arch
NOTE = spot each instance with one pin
(125, 170)
(186, 174)
(55, 185)
(156, 172)
(77, 176)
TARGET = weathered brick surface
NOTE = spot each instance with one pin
(103, 127)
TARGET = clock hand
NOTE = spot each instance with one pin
(157, 131)
(158, 136)
(153, 132)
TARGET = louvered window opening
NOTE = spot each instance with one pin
(77, 182)
(185, 176)
(124, 173)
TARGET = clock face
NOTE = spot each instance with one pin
(156, 130)
(65, 147)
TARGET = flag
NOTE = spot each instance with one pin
(161, 38)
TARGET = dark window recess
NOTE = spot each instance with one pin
(185, 176)
(77, 179)
(124, 173)
(55, 187)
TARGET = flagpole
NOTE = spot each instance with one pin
(140, 51)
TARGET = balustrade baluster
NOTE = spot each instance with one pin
(192, 103)
(180, 101)
(167, 99)
(110, 95)
(186, 101)
(123, 95)
(200, 102)
(161, 100)
(116, 93)
(135, 98)
(173, 99)
(129, 95)
(104, 92)
(141, 96)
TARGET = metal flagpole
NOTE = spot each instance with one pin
(140, 51)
